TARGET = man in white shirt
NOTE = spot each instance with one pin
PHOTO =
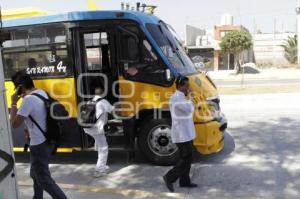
(103, 107)
(182, 134)
(39, 150)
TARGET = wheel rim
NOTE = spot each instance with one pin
(159, 141)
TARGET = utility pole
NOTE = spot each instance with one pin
(298, 29)
(8, 184)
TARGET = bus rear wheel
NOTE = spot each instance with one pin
(155, 142)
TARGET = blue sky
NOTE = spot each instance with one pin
(201, 13)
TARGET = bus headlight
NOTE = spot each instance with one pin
(214, 107)
(214, 104)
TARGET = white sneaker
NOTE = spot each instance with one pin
(98, 174)
(107, 169)
(101, 172)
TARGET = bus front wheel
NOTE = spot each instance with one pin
(155, 143)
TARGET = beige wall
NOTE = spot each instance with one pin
(267, 47)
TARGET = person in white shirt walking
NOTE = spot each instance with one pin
(182, 134)
(34, 107)
(103, 107)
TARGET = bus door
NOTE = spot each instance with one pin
(95, 57)
(146, 80)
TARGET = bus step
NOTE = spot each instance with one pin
(114, 128)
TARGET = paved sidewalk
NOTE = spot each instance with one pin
(134, 181)
(89, 192)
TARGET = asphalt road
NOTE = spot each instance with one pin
(257, 82)
(261, 159)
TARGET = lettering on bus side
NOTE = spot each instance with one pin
(40, 70)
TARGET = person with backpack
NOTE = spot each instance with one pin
(33, 108)
(96, 114)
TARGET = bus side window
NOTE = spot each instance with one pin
(139, 61)
(41, 51)
(93, 51)
(97, 51)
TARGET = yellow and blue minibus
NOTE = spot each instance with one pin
(136, 54)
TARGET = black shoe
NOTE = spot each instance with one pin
(191, 185)
(169, 185)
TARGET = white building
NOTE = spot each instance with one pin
(267, 48)
(203, 45)
(298, 29)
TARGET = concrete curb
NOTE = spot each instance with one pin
(132, 193)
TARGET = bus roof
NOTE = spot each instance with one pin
(82, 16)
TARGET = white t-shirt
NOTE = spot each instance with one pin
(34, 106)
(182, 109)
(103, 107)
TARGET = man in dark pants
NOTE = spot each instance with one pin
(39, 149)
(182, 133)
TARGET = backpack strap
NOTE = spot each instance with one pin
(40, 96)
(37, 125)
(98, 100)
(33, 120)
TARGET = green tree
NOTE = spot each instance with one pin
(290, 49)
(235, 42)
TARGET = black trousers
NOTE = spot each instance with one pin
(40, 173)
(182, 168)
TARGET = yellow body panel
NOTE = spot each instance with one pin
(63, 90)
(59, 150)
(202, 89)
(209, 138)
(138, 96)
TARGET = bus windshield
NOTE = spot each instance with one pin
(171, 47)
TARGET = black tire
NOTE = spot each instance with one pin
(154, 141)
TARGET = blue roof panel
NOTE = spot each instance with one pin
(81, 16)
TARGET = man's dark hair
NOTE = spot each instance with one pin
(21, 78)
(180, 81)
(95, 84)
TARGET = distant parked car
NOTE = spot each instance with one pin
(198, 61)
(249, 68)
(200, 66)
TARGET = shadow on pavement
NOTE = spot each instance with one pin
(264, 164)
(261, 160)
